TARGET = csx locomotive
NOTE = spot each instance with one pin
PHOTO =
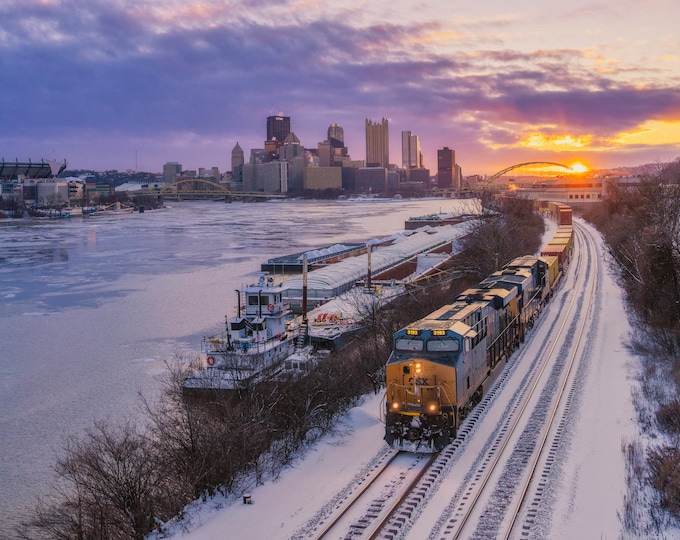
(441, 365)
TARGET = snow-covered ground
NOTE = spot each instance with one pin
(587, 502)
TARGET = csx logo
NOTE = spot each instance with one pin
(421, 381)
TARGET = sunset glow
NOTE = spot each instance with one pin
(579, 167)
(109, 88)
(540, 141)
(652, 133)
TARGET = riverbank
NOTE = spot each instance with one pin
(92, 309)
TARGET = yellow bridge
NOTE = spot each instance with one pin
(191, 189)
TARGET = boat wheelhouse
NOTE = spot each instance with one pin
(254, 344)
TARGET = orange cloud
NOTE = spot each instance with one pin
(651, 133)
(539, 141)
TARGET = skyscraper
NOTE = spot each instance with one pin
(377, 144)
(278, 127)
(336, 136)
(410, 150)
(337, 152)
(446, 162)
(291, 148)
(237, 156)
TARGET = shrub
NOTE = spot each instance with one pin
(668, 417)
(664, 464)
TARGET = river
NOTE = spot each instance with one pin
(92, 308)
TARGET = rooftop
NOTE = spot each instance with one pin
(10, 170)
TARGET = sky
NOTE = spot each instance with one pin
(585, 493)
(122, 84)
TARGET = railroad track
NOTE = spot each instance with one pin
(504, 480)
(523, 516)
(504, 475)
(365, 511)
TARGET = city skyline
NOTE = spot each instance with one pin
(133, 85)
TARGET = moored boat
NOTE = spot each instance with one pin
(71, 211)
(254, 344)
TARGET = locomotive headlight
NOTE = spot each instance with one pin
(432, 407)
(395, 406)
(419, 368)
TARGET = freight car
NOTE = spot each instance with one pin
(442, 364)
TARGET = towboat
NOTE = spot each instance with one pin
(254, 344)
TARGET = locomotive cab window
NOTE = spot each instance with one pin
(443, 345)
(408, 344)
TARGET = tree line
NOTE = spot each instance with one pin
(640, 224)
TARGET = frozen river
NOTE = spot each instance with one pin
(90, 309)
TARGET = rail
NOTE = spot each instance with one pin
(468, 506)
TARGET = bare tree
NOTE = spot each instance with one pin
(641, 227)
(506, 230)
(110, 487)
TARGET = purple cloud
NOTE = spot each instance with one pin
(100, 68)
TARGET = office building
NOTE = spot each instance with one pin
(259, 155)
(270, 177)
(411, 156)
(322, 178)
(336, 136)
(371, 180)
(291, 148)
(296, 170)
(349, 173)
(377, 144)
(278, 127)
(419, 175)
(446, 161)
(237, 156)
(272, 149)
(323, 151)
(293, 153)
(171, 172)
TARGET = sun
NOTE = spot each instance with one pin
(578, 167)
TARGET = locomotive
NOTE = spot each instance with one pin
(442, 364)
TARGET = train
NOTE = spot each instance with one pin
(441, 365)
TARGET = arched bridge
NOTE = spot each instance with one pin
(202, 189)
(195, 188)
(527, 164)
